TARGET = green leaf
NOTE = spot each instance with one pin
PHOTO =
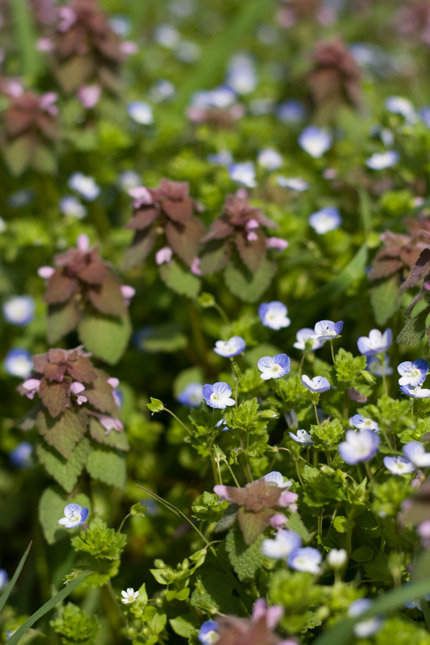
(247, 286)
(385, 300)
(185, 626)
(107, 466)
(18, 154)
(113, 438)
(253, 524)
(206, 300)
(64, 471)
(245, 560)
(63, 432)
(164, 338)
(414, 329)
(214, 593)
(51, 509)
(6, 593)
(62, 319)
(363, 554)
(155, 405)
(342, 524)
(45, 608)
(180, 279)
(106, 337)
(25, 37)
(295, 523)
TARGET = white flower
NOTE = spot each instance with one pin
(398, 465)
(375, 343)
(400, 105)
(129, 596)
(365, 628)
(382, 160)
(415, 452)
(19, 310)
(274, 314)
(337, 558)
(140, 112)
(292, 183)
(316, 384)
(241, 75)
(69, 205)
(18, 363)
(325, 220)
(285, 543)
(270, 159)
(84, 185)
(243, 174)
(306, 559)
(315, 141)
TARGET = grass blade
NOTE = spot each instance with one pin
(44, 609)
(6, 593)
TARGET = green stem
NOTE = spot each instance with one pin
(178, 420)
(122, 523)
(332, 352)
(231, 472)
(222, 313)
(426, 612)
(316, 413)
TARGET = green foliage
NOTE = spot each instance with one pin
(245, 559)
(75, 626)
(349, 368)
(385, 299)
(180, 280)
(327, 434)
(108, 466)
(105, 336)
(64, 471)
(99, 541)
(247, 286)
(51, 509)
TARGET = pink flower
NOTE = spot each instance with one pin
(276, 243)
(31, 386)
(287, 499)
(129, 47)
(164, 255)
(109, 423)
(68, 17)
(222, 491)
(128, 293)
(278, 520)
(195, 267)
(83, 242)
(272, 615)
(141, 196)
(89, 95)
(44, 45)
(46, 103)
(251, 224)
(76, 388)
(45, 272)
(251, 237)
(113, 382)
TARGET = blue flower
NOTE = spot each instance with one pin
(243, 174)
(4, 578)
(284, 543)
(374, 366)
(218, 395)
(69, 205)
(274, 314)
(273, 367)
(325, 220)
(140, 112)
(398, 465)
(315, 141)
(317, 384)
(84, 185)
(292, 183)
(231, 347)
(208, 633)
(364, 423)
(221, 158)
(191, 395)
(416, 392)
(18, 363)
(291, 111)
(21, 455)
(365, 628)
(382, 160)
(375, 343)
(19, 310)
(327, 329)
(359, 446)
(74, 515)
(306, 559)
(415, 452)
(306, 339)
(241, 74)
(401, 105)
(413, 374)
(270, 159)
(302, 436)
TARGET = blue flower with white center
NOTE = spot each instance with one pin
(302, 436)
(19, 310)
(231, 347)
(273, 366)
(375, 342)
(413, 373)
(241, 74)
(398, 465)
(325, 220)
(221, 424)
(401, 105)
(373, 365)
(291, 111)
(306, 340)
(315, 141)
(416, 392)
(140, 112)
(292, 183)
(274, 314)
(275, 477)
(84, 185)
(21, 455)
(221, 158)
(220, 98)
(364, 423)
(243, 174)
(4, 579)
(218, 395)
(163, 90)
(316, 384)
(74, 515)
(208, 634)
(69, 205)
(191, 395)
(18, 363)
(306, 559)
(415, 452)
(327, 329)
(270, 159)
(359, 446)
(365, 628)
(284, 543)
(382, 160)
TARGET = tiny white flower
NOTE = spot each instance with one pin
(337, 558)
(129, 596)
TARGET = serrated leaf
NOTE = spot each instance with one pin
(247, 286)
(214, 593)
(113, 439)
(185, 625)
(215, 256)
(295, 524)
(100, 395)
(385, 300)
(106, 337)
(253, 524)
(184, 239)
(62, 319)
(51, 509)
(414, 329)
(180, 279)
(108, 466)
(107, 297)
(245, 559)
(18, 154)
(64, 471)
(142, 245)
(62, 432)
(227, 520)
(55, 396)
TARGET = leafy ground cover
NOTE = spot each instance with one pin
(214, 280)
